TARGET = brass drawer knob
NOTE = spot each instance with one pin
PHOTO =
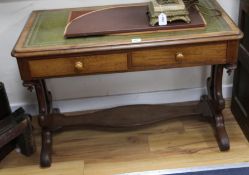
(179, 56)
(79, 66)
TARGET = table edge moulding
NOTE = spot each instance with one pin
(42, 52)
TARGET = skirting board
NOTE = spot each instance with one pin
(158, 97)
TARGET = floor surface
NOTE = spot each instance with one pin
(178, 143)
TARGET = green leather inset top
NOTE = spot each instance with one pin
(48, 30)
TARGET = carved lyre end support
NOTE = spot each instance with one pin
(216, 103)
(214, 87)
(44, 98)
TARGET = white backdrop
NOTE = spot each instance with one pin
(13, 15)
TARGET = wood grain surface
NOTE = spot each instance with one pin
(186, 142)
(155, 58)
(90, 64)
(214, 53)
(62, 168)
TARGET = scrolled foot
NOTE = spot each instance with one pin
(46, 150)
(221, 134)
(222, 139)
(217, 121)
(45, 160)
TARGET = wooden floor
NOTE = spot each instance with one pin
(186, 142)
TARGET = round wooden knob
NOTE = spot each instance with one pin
(179, 56)
(79, 66)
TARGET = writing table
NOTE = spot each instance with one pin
(42, 52)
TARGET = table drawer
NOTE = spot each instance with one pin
(78, 65)
(181, 55)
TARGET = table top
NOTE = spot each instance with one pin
(43, 34)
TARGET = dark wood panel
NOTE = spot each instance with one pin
(5, 111)
(240, 99)
(244, 23)
(4, 103)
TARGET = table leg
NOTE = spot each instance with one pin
(216, 103)
(44, 98)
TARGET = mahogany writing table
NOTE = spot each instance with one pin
(42, 52)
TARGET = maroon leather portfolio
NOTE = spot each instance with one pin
(124, 19)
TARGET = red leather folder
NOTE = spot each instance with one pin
(123, 19)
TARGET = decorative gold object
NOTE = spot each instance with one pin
(173, 9)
